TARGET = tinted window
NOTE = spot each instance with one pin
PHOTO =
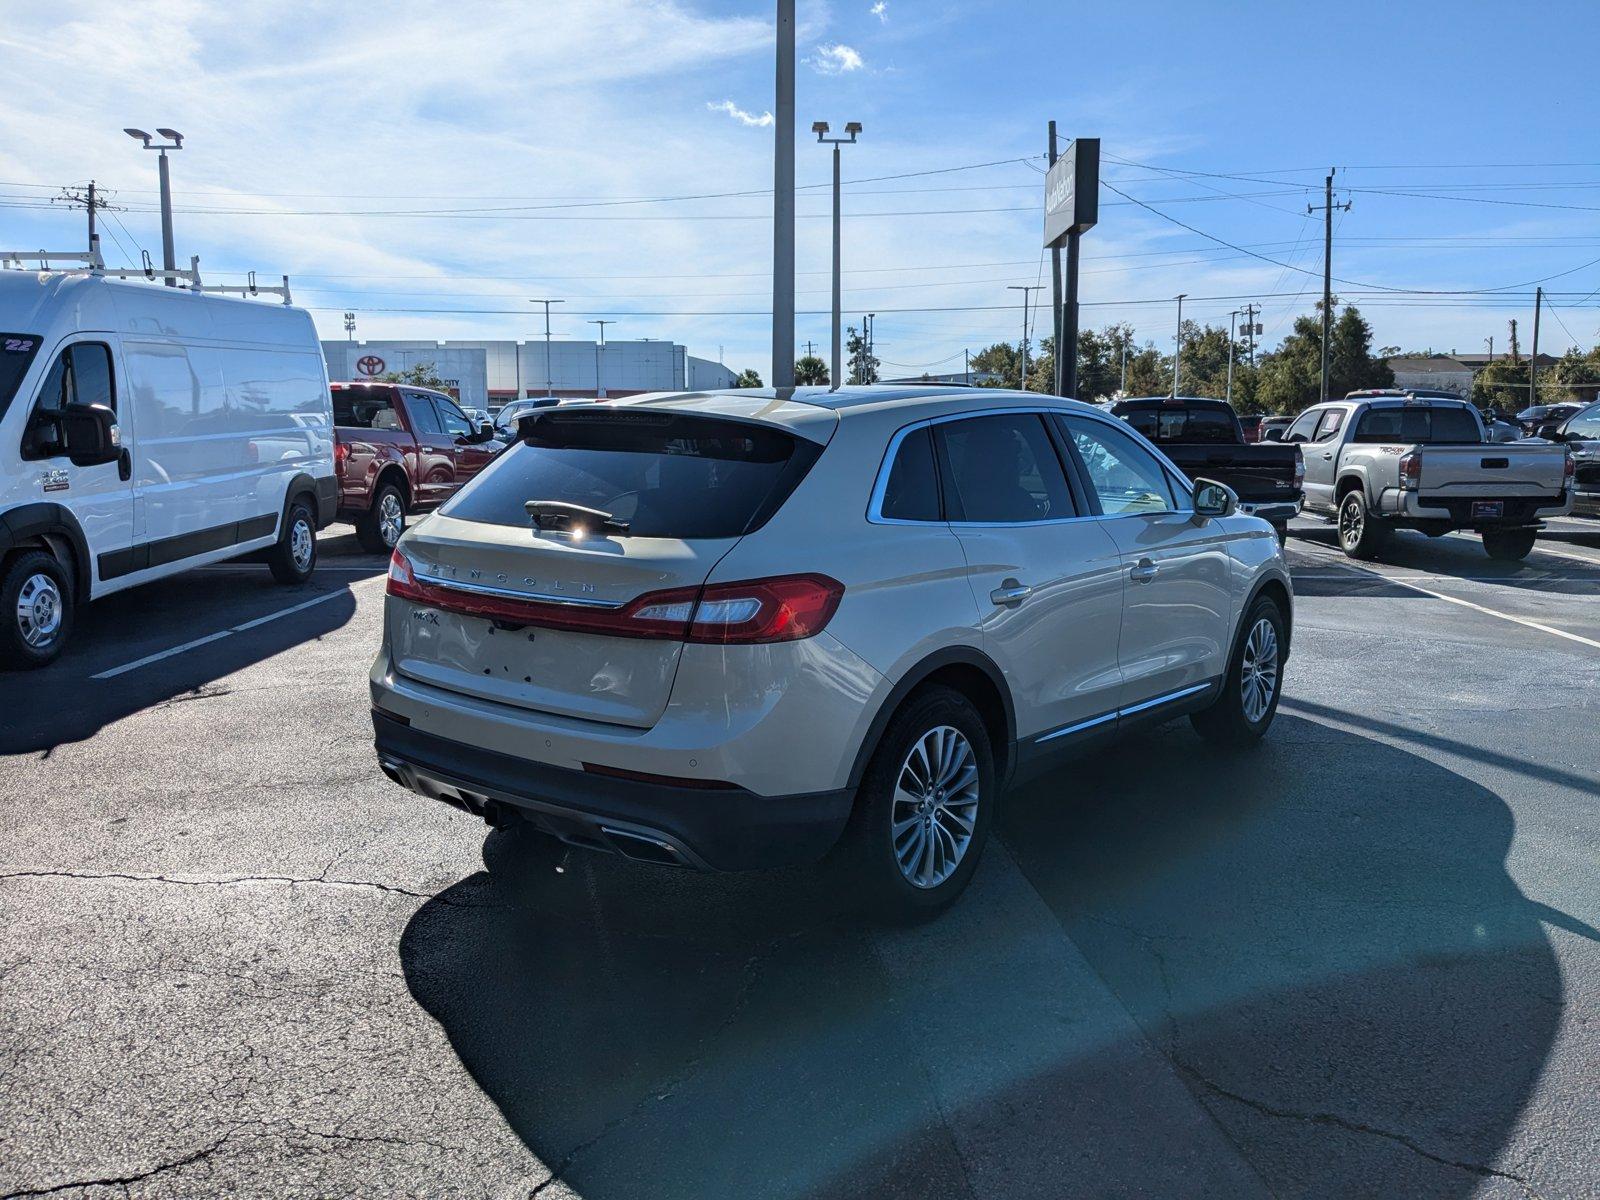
(16, 353)
(1125, 476)
(455, 422)
(1185, 425)
(1586, 424)
(667, 475)
(365, 408)
(423, 417)
(1004, 469)
(912, 492)
(1331, 422)
(81, 374)
(1305, 426)
(1418, 424)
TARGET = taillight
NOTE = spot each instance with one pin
(1570, 471)
(1411, 470)
(340, 453)
(781, 609)
(1299, 467)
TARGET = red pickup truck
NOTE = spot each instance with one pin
(400, 450)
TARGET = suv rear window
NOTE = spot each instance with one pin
(364, 408)
(668, 475)
(1209, 426)
(1449, 426)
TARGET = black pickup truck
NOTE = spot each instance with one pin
(1204, 438)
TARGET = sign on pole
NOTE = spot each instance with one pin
(1072, 192)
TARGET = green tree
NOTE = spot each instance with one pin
(422, 374)
(747, 378)
(863, 365)
(809, 370)
(1291, 376)
(1001, 361)
(1576, 378)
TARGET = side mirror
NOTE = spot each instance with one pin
(90, 435)
(486, 431)
(1272, 435)
(1213, 499)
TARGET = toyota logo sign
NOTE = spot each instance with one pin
(369, 364)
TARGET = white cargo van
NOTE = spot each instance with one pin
(145, 430)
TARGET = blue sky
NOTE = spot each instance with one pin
(411, 161)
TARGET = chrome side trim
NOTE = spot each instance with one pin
(1122, 712)
(484, 589)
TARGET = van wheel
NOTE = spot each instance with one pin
(382, 524)
(1359, 535)
(1243, 711)
(35, 610)
(295, 556)
(923, 813)
(1508, 545)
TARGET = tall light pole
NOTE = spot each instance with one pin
(549, 377)
(820, 128)
(599, 390)
(1024, 289)
(783, 204)
(1232, 317)
(174, 141)
(1125, 364)
(1177, 354)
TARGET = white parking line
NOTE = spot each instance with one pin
(214, 637)
(1417, 587)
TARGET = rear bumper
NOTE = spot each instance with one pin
(1518, 511)
(711, 829)
(1275, 511)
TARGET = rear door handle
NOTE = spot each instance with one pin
(1143, 571)
(1010, 592)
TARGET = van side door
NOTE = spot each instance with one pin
(100, 498)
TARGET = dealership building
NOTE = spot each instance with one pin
(487, 374)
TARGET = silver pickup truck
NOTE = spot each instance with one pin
(1380, 461)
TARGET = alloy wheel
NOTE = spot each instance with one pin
(1352, 520)
(39, 610)
(1258, 680)
(935, 807)
(391, 519)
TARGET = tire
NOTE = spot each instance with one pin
(1241, 715)
(294, 558)
(380, 527)
(36, 610)
(1282, 530)
(1359, 535)
(930, 881)
(1508, 545)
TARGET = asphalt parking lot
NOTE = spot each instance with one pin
(1362, 959)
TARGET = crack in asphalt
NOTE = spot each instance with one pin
(1350, 1126)
(125, 1181)
(235, 880)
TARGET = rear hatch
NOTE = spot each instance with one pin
(573, 610)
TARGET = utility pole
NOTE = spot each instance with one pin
(350, 327)
(1490, 341)
(1057, 315)
(1177, 354)
(870, 334)
(1327, 269)
(1251, 311)
(549, 374)
(966, 358)
(175, 142)
(1125, 365)
(1533, 358)
(1025, 290)
(783, 204)
(1231, 318)
(599, 388)
(92, 199)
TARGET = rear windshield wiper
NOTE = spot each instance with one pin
(559, 516)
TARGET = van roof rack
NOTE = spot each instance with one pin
(93, 264)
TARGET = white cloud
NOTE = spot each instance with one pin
(836, 59)
(881, 11)
(738, 114)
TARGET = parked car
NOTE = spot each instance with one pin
(1204, 438)
(1543, 419)
(1384, 460)
(146, 430)
(1250, 427)
(742, 629)
(1273, 428)
(401, 450)
(505, 421)
(1581, 435)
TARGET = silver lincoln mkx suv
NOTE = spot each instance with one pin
(741, 629)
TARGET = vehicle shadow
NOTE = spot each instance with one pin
(1320, 938)
(247, 616)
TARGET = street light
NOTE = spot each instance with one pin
(599, 390)
(1026, 291)
(1177, 354)
(820, 128)
(549, 378)
(174, 141)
